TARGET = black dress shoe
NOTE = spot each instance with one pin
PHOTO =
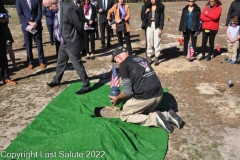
(201, 58)
(208, 58)
(82, 91)
(52, 84)
(103, 46)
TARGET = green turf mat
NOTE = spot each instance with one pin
(68, 129)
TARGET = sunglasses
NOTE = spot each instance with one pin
(190, 1)
(233, 22)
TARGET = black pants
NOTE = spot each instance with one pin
(104, 26)
(3, 59)
(57, 44)
(63, 56)
(211, 35)
(96, 29)
(89, 36)
(127, 40)
(189, 34)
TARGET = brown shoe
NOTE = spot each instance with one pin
(11, 82)
(42, 65)
(30, 66)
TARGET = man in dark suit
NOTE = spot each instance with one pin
(69, 31)
(3, 55)
(102, 8)
(30, 13)
(49, 22)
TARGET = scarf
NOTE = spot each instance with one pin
(122, 10)
(87, 8)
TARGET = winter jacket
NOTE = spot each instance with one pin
(234, 10)
(159, 19)
(210, 21)
(196, 24)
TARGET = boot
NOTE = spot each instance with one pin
(156, 61)
(202, 58)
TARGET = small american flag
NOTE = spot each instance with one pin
(115, 81)
(190, 52)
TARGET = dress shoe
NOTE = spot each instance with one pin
(11, 82)
(30, 66)
(202, 58)
(82, 91)
(208, 58)
(52, 84)
(103, 46)
(42, 65)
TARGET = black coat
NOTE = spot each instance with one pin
(196, 24)
(234, 10)
(93, 16)
(159, 19)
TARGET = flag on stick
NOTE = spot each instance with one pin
(190, 52)
(115, 81)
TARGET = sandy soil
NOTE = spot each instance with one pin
(199, 89)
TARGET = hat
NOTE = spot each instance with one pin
(118, 51)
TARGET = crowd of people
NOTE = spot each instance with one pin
(72, 28)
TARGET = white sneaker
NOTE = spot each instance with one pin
(174, 119)
(162, 122)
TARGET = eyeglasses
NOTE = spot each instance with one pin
(191, 1)
(233, 22)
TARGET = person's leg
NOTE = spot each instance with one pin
(211, 45)
(96, 29)
(128, 42)
(57, 44)
(133, 111)
(120, 38)
(234, 52)
(102, 30)
(86, 41)
(28, 40)
(150, 38)
(61, 64)
(12, 56)
(157, 45)
(108, 28)
(92, 41)
(49, 32)
(186, 41)
(145, 31)
(194, 42)
(38, 40)
(78, 66)
(204, 44)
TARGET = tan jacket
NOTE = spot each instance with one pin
(115, 9)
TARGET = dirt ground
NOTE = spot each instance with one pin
(210, 109)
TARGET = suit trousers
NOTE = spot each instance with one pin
(153, 40)
(140, 111)
(63, 55)
(127, 40)
(189, 34)
(3, 60)
(105, 26)
(38, 40)
(89, 37)
(205, 36)
(50, 30)
(57, 44)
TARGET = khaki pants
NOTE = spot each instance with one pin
(153, 40)
(140, 111)
(232, 50)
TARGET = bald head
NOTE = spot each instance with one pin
(52, 5)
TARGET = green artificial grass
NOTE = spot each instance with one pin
(68, 129)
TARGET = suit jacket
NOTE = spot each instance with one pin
(116, 10)
(103, 15)
(49, 16)
(71, 27)
(26, 14)
(93, 16)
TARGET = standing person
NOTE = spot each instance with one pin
(30, 13)
(210, 18)
(233, 35)
(3, 55)
(190, 24)
(88, 15)
(121, 15)
(102, 8)
(234, 10)
(144, 18)
(68, 31)
(49, 22)
(140, 81)
(96, 19)
(155, 16)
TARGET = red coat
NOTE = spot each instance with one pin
(210, 20)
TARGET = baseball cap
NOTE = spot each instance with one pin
(118, 51)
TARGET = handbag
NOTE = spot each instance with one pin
(144, 22)
(120, 27)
